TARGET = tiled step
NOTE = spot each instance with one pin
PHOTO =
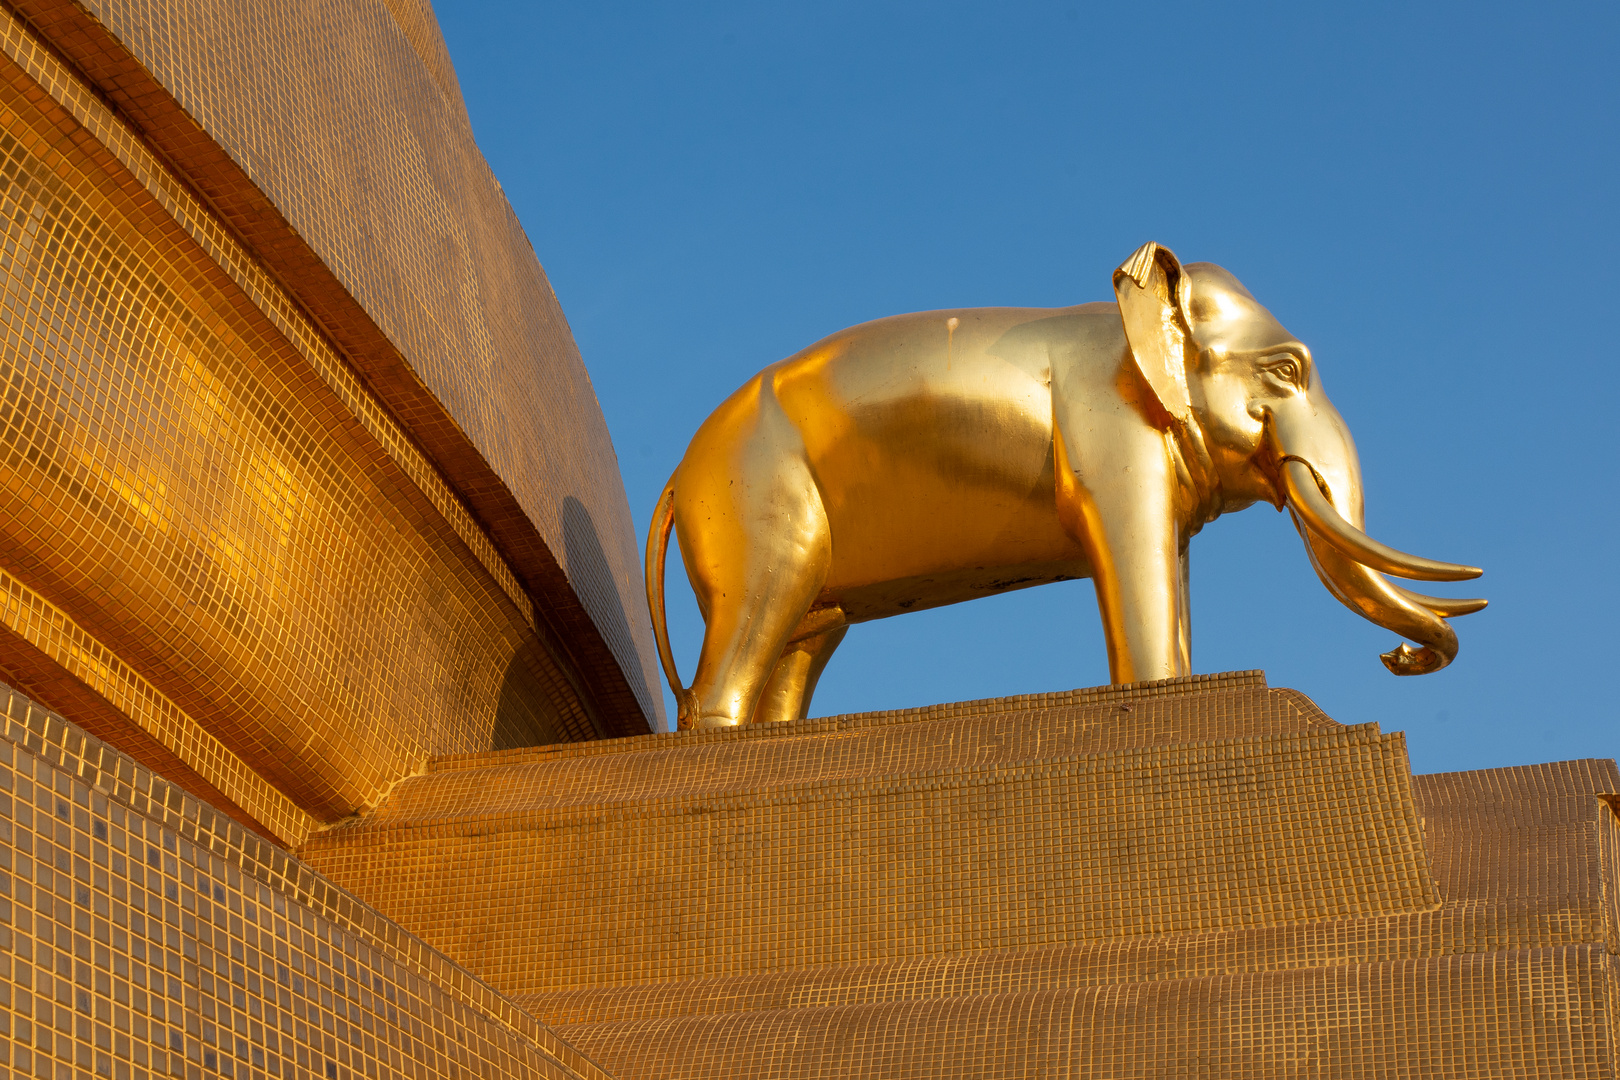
(467, 790)
(1523, 1013)
(1456, 928)
(811, 847)
(1198, 878)
(1519, 855)
(1532, 831)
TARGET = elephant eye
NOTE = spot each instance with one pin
(1286, 368)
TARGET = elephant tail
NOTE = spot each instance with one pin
(657, 548)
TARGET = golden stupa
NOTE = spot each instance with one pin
(332, 723)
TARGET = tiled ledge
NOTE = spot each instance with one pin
(182, 915)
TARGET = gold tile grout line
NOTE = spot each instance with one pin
(199, 223)
(816, 726)
(50, 630)
(67, 749)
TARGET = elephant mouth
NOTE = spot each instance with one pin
(1352, 565)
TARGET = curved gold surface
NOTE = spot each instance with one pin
(930, 458)
(421, 28)
(349, 170)
(218, 551)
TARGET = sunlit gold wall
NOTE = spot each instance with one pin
(330, 135)
(204, 518)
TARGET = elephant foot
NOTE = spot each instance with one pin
(716, 723)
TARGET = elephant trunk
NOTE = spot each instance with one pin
(1352, 564)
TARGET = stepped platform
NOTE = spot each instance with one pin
(1200, 877)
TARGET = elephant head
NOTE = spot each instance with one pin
(1232, 380)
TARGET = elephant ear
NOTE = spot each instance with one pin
(1153, 294)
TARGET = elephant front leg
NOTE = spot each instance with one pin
(1122, 511)
(1185, 614)
(1136, 561)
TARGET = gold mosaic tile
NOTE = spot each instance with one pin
(205, 228)
(504, 785)
(804, 869)
(1503, 985)
(1299, 713)
(1534, 868)
(909, 895)
(1526, 1013)
(1456, 928)
(1609, 863)
(351, 171)
(295, 580)
(1531, 831)
(142, 934)
(1511, 976)
(253, 563)
(37, 622)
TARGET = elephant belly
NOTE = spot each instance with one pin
(879, 600)
(942, 522)
(919, 537)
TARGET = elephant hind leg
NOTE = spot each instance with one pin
(793, 683)
(758, 553)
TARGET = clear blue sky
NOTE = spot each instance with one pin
(1425, 194)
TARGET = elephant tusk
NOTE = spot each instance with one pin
(1443, 606)
(1367, 593)
(1305, 496)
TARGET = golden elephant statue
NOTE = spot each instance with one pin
(927, 459)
